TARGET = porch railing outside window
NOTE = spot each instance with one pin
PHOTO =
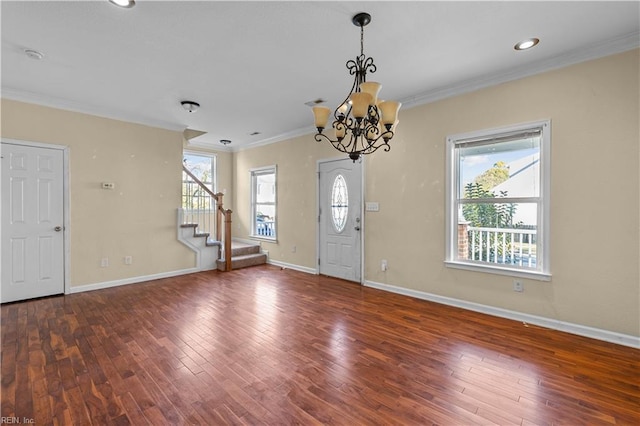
(502, 246)
(265, 228)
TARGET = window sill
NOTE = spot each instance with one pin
(263, 238)
(512, 272)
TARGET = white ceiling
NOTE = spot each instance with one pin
(253, 65)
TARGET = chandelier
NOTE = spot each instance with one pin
(362, 123)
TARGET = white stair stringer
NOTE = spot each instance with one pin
(204, 247)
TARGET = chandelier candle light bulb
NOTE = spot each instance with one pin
(362, 123)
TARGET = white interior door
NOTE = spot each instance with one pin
(340, 203)
(32, 222)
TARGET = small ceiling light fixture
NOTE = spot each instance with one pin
(225, 142)
(526, 44)
(123, 3)
(362, 124)
(190, 106)
(33, 54)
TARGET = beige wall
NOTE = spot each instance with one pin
(595, 161)
(136, 219)
(296, 162)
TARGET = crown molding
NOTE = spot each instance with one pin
(68, 105)
(596, 51)
(278, 138)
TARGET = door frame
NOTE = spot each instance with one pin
(362, 218)
(66, 255)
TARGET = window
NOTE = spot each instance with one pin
(203, 167)
(263, 202)
(339, 203)
(498, 200)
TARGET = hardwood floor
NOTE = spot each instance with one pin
(269, 346)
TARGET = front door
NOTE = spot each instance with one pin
(32, 222)
(340, 206)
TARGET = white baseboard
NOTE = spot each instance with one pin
(132, 280)
(580, 330)
(285, 265)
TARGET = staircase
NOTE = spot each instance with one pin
(243, 255)
(205, 248)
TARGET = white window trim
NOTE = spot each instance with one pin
(543, 273)
(252, 173)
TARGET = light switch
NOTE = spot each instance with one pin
(372, 206)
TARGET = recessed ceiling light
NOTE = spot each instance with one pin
(123, 3)
(33, 54)
(526, 44)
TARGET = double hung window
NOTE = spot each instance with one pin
(203, 167)
(263, 202)
(498, 200)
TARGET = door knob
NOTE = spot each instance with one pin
(58, 228)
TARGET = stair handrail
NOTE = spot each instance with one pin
(221, 211)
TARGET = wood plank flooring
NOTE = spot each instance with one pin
(268, 346)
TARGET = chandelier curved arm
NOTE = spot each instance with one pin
(361, 66)
(367, 146)
(337, 144)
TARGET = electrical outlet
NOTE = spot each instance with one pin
(128, 260)
(384, 265)
(517, 286)
(293, 249)
(104, 262)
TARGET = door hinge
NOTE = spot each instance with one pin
(318, 261)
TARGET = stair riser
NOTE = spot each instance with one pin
(241, 251)
(253, 260)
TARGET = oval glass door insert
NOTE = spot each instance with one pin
(339, 203)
